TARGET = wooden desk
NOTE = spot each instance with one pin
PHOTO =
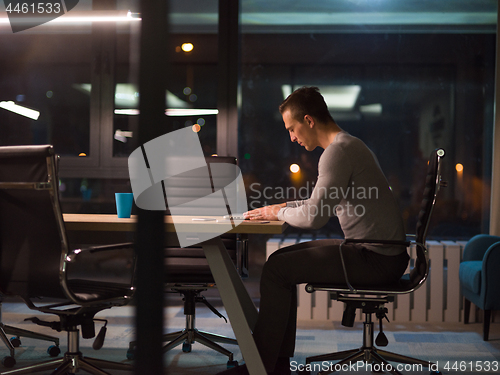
(239, 306)
(111, 223)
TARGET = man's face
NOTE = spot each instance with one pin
(300, 131)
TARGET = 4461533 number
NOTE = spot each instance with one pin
(473, 366)
(40, 8)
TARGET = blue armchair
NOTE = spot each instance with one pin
(480, 277)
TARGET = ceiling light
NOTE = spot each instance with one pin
(172, 112)
(286, 90)
(121, 135)
(337, 97)
(81, 17)
(341, 98)
(187, 47)
(20, 110)
(294, 168)
(371, 109)
(127, 95)
(129, 112)
(190, 112)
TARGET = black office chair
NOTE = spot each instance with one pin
(187, 271)
(373, 300)
(35, 261)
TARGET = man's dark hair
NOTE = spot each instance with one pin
(306, 101)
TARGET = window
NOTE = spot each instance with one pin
(82, 79)
(36, 75)
(413, 76)
(417, 75)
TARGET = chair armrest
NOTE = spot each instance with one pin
(477, 246)
(109, 264)
(71, 257)
(490, 281)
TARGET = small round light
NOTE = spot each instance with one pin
(187, 47)
(459, 167)
(196, 128)
(82, 154)
(294, 168)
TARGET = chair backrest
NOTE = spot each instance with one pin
(189, 186)
(189, 265)
(32, 237)
(432, 185)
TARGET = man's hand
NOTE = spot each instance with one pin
(264, 213)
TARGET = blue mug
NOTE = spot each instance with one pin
(124, 204)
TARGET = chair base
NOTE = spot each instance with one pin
(376, 358)
(72, 362)
(5, 330)
(188, 337)
(10, 360)
(18, 332)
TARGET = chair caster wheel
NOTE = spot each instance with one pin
(53, 350)
(15, 341)
(186, 347)
(131, 354)
(232, 364)
(9, 361)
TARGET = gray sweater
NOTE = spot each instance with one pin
(352, 186)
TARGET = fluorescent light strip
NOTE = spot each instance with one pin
(20, 110)
(124, 133)
(172, 112)
(81, 17)
(337, 97)
(191, 112)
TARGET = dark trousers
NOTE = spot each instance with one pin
(308, 262)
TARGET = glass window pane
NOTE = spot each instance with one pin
(192, 77)
(91, 195)
(45, 73)
(404, 85)
(192, 101)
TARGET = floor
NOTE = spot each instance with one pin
(455, 348)
(448, 345)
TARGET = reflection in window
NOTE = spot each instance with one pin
(90, 195)
(52, 91)
(403, 94)
(191, 100)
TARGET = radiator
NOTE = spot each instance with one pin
(438, 300)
